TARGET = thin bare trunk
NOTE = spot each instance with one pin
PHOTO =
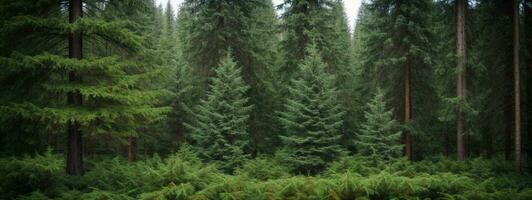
(517, 89)
(75, 148)
(461, 6)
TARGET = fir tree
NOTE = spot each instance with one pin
(396, 56)
(379, 136)
(170, 19)
(95, 91)
(221, 126)
(312, 117)
(209, 28)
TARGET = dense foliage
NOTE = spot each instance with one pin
(183, 176)
(379, 135)
(312, 117)
(234, 99)
(220, 129)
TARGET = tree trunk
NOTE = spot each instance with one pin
(517, 89)
(90, 148)
(528, 37)
(75, 149)
(461, 6)
(130, 150)
(408, 110)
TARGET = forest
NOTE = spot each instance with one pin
(261, 100)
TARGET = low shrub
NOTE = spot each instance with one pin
(263, 168)
(183, 176)
(21, 176)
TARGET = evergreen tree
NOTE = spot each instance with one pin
(379, 136)
(491, 53)
(221, 126)
(95, 90)
(186, 85)
(304, 21)
(170, 19)
(312, 117)
(396, 55)
(322, 23)
(325, 24)
(209, 28)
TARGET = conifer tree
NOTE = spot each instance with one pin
(323, 23)
(95, 90)
(397, 54)
(170, 19)
(379, 136)
(221, 126)
(312, 117)
(210, 28)
(320, 22)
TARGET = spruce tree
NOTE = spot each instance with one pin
(312, 117)
(396, 55)
(321, 22)
(93, 91)
(209, 28)
(221, 126)
(379, 136)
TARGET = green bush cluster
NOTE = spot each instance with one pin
(183, 176)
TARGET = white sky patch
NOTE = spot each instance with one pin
(351, 8)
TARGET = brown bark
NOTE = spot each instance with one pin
(528, 37)
(75, 149)
(461, 6)
(408, 110)
(517, 89)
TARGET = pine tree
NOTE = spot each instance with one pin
(379, 136)
(312, 117)
(95, 90)
(221, 127)
(249, 29)
(322, 23)
(397, 57)
(170, 19)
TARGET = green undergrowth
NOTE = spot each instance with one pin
(183, 176)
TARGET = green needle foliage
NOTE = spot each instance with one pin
(118, 94)
(312, 117)
(221, 126)
(262, 100)
(379, 137)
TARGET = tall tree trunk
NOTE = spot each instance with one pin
(508, 85)
(528, 37)
(461, 6)
(130, 150)
(517, 89)
(489, 145)
(75, 149)
(408, 110)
